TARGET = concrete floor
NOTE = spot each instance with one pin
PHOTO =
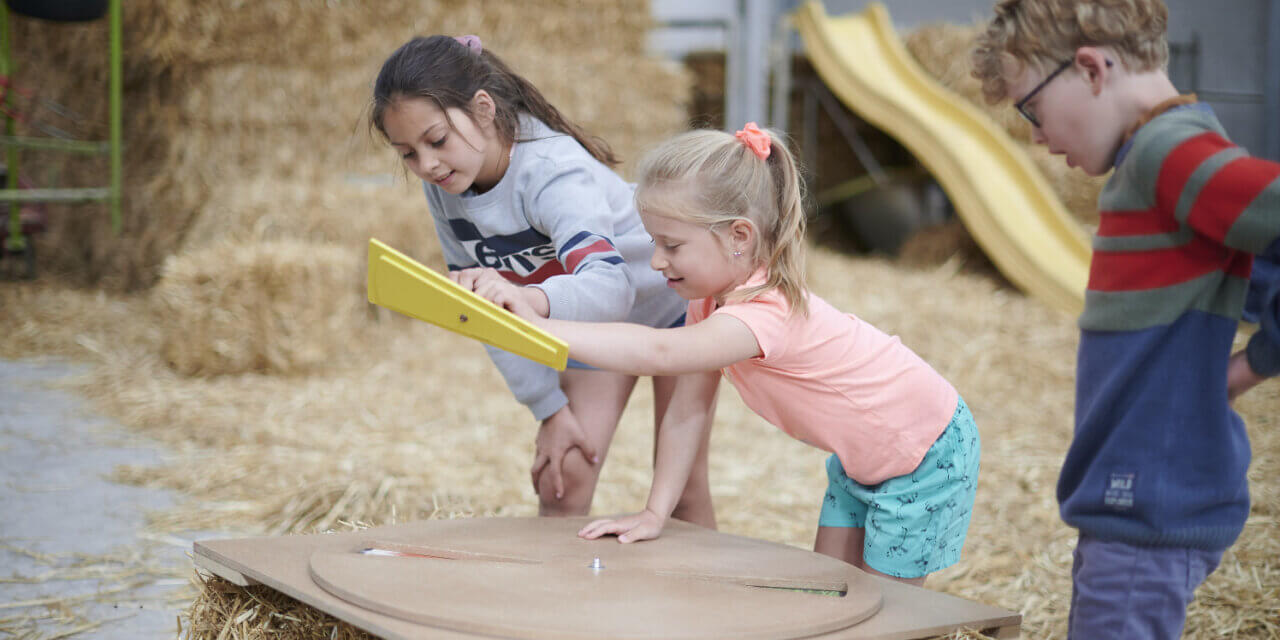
(66, 530)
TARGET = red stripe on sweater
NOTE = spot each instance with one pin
(1228, 193)
(1141, 270)
(1241, 264)
(1181, 162)
(1135, 223)
(576, 256)
(550, 268)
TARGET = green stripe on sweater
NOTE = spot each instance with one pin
(1255, 229)
(1216, 293)
(1144, 243)
(1200, 177)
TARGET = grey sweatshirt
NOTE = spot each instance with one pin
(563, 222)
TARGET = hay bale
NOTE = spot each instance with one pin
(273, 307)
(206, 119)
(943, 50)
(948, 243)
(224, 610)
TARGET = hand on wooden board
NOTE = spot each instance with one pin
(645, 525)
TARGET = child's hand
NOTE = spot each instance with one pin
(490, 285)
(1240, 376)
(515, 301)
(557, 435)
(645, 525)
(486, 283)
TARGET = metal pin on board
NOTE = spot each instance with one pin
(596, 565)
(462, 317)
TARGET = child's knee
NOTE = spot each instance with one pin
(578, 477)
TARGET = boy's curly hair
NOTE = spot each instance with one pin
(1045, 33)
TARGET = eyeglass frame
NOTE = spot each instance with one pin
(1021, 105)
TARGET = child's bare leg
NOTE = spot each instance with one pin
(846, 543)
(695, 503)
(596, 399)
(841, 543)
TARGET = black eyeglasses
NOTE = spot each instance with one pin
(1021, 105)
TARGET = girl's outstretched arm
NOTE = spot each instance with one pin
(714, 343)
(683, 427)
(710, 345)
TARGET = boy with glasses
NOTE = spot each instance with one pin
(1154, 479)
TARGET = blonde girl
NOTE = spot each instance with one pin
(727, 223)
(526, 205)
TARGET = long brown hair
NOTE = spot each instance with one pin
(448, 73)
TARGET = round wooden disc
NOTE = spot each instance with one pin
(528, 579)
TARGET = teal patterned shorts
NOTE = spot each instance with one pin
(916, 523)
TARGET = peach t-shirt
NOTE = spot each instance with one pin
(838, 383)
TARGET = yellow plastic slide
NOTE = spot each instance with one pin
(1001, 197)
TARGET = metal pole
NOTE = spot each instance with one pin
(754, 37)
(117, 155)
(15, 241)
(1271, 84)
(733, 70)
(780, 52)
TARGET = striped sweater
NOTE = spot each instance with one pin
(1159, 457)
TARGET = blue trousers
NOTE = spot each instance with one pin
(1119, 590)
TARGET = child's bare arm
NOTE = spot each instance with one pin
(714, 343)
(710, 345)
(1240, 376)
(679, 436)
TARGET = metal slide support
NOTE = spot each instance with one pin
(117, 85)
(1271, 84)
(752, 41)
(114, 148)
(780, 61)
(15, 241)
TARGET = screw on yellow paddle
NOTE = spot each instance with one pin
(401, 284)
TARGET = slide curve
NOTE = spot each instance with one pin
(1003, 199)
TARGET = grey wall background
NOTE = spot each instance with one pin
(1237, 69)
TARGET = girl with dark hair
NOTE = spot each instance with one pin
(526, 203)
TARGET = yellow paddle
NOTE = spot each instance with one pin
(401, 284)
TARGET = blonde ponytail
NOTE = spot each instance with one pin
(725, 180)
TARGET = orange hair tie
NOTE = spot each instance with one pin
(756, 140)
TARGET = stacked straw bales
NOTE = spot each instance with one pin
(245, 121)
(247, 141)
(274, 307)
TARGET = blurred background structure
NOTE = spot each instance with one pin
(1219, 51)
(751, 66)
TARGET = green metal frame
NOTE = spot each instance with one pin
(13, 143)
